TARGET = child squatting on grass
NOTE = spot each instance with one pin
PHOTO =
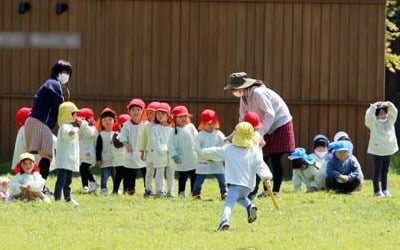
(243, 160)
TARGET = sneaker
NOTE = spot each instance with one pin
(181, 194)
(103, 191)
(147, 193)
(93, 187)
(131, 192)
(196, 197)
(379, 194)
(73, 202)
(85, 190)
(160, 194)
(170, 195)
(223, 226)
(251, 213)
(386, 193)
(223, 196)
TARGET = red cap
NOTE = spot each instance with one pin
(21, 115)
(209, 116)
(180, 111)
(153, 106)
(136, 102)
(163, 106)
(253, 119)
(123, 118)
(86, 113)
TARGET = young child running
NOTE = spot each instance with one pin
(130, 135)
(144, 150)
(87, 150)
(380, 118)
(104, 154)
(67, 160)
(28, 184)
(209, 136)
(182, 150)
(243, 160)
(158, 149)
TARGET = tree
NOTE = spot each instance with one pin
(392, 59)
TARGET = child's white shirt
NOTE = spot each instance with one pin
(87, 143)
(182, 144)
(107, 156)
(206, 140)
(158, 145)
(241, 164)
(67, 148)
(34, 180)
(132, 134)
(308, 176)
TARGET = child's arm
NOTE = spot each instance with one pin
(87, 131)
(331, 171)
(213, 153)
(370, 115)
(38, 183)
(392, 112)
(67, 132)
(99, 150)
(144, 138)
(263, 170)
(116, 143)
(355, 172)
(15, 185)
(172, 148)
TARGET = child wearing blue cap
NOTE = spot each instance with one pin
(305, 170)
(342, 170)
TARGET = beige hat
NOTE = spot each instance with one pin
(26, 155)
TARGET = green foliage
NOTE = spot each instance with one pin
(392, 60)
(306, 221)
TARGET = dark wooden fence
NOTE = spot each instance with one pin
(326, 58)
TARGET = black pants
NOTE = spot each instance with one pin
(331, 183)
(44, 166)
(86, 175)
(130, 178)
(183, 176)
(120, 174)
(277, 171)
(381, 170)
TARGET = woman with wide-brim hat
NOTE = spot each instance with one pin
(277, 127)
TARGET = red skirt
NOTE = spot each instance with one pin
(280, 141)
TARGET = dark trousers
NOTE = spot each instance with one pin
(381, 170)
(277, 171)
(44, 166)
(64, 179)
(183, 176)
(348, 187)
(120, 174)
(86, 175)
(130, 177)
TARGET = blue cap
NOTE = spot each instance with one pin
(300, 153)
(339, 146)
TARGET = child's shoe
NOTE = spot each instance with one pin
(92, 187)
(379, 194)
(73, 202)
(170, 195)
(196, 197)
(223, 226)
(251, 213)
(386, 193)
(159, 194)
(103, 191)
(181, 194)
(147, 193)
(131, 192)
(85, 190)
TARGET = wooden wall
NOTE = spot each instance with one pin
(326, 58)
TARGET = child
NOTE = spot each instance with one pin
(104, 154)
(380, 118)
(320, 155)
(28, 184)
(151, 116)
(119, 157)
(342, 171)
(130, 136)
(4, 185)
(243, 160)
(20, 142)
(182, 150)
(67, 159)
(158, 149)
(87, 150)
(304, 170)
(209, 136)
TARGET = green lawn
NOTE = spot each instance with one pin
(306, 221)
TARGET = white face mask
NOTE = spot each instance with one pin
(382, 120)
(63, 78)
(238, 93)
(321, 154)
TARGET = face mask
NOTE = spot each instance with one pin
(238, 93)
(320, 154)
(382, 120)
(63, 78)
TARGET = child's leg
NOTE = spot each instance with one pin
(83, 171)
(242, 198)
(143, 171)
(61, 179)
(130, 175)
(103, 178)
(67, 185)
(231, 198)
(192, 174)
(385, 171)
(149, 178)
(133, 178)
(183, 175)
(170, 173)
(159, 180)
(119, 175)
(221, 183)
(198, 184)
(378, 165)
(255, 190)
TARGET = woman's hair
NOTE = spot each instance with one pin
(61, 66)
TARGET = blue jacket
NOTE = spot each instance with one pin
(349, 167)
(46, 102)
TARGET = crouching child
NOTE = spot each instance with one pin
(305, 170)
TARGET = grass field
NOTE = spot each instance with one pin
(306, 221)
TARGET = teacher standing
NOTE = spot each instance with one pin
(277, 126)
(43, 117)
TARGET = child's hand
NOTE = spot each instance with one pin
(71, 133)
(128, 147)
(344, 178)
(98, 164)
(143, 156)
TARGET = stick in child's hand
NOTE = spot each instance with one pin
(268, 185)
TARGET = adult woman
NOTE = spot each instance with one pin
(277, 126)
(44, 114)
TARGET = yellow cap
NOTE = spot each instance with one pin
(26, 155)
(65, 112)
(244, 135)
